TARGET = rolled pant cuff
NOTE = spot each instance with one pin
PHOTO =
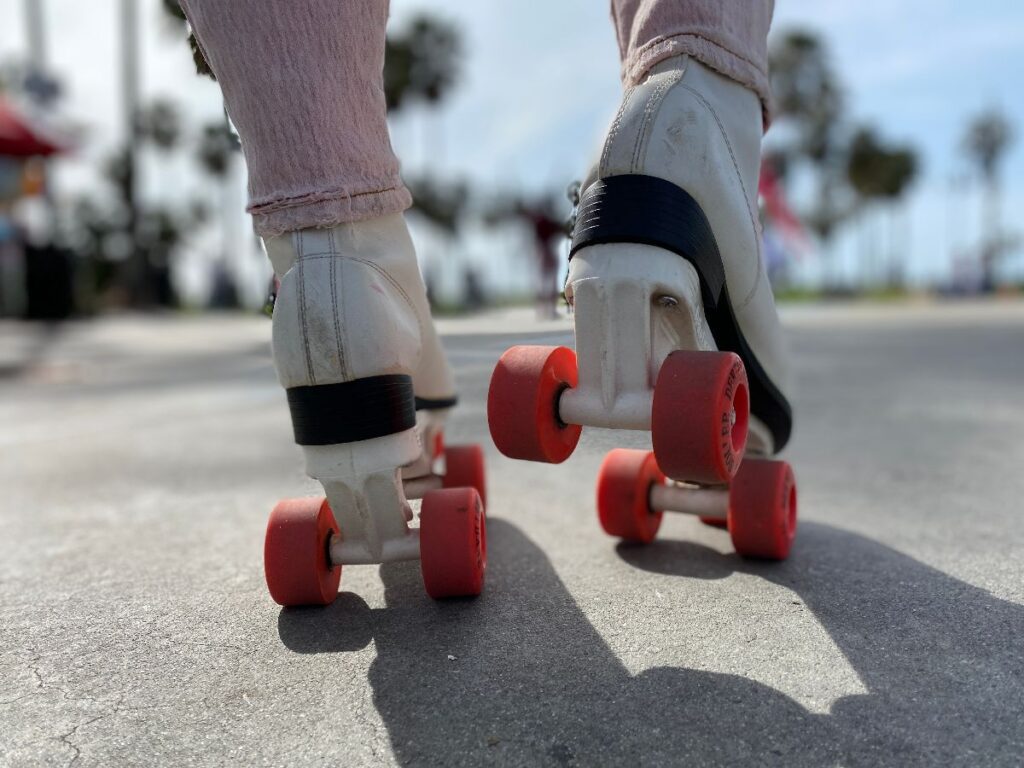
(693, 43)
(327, 209)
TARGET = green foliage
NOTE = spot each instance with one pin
(849, 168)
(878, 171)
(441, 202)
(217, 143)
(175, 14)
(160, 124)
(988, 137)
(421, 63)
(202, 67)
(173, 9)
(100, 234)
(806, 90)
(807, 94)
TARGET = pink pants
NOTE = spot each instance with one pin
(303, 85)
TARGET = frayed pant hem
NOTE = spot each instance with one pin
(324, 210)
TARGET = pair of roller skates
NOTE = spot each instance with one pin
(676, 333)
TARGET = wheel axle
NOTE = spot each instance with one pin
(689, 500)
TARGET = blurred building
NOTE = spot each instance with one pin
(35, 279)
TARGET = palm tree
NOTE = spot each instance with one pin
(216, 154)
(883, 173)
(176, 18)
(988, 137)
(422, 63)
(421, 67)
(808, 95)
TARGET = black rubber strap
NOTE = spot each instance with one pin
(651, 211)
(435, 404)
(328, 414)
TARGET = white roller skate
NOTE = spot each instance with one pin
(676, 328)
(356, 351)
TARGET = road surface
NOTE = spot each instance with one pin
(139, 458)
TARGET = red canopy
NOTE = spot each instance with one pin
(19, 139)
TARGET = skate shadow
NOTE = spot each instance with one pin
(942, 661)
(343, 626)
(520, 676)
(678, 558)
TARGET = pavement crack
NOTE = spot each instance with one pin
(33, 666)
(65, 738)
(5, 702)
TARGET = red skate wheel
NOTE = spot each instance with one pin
(762, 509)
(623, 487)
(296, 560)
(522, 404)
(453, 543)
(464, 468)
(699, 416)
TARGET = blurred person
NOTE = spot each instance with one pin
(352, 333)
(546, 230)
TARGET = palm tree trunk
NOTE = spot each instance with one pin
(138, 271)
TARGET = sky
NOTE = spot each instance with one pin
(537, 93)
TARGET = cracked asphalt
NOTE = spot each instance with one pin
(140, 456)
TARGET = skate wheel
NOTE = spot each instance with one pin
(453, 543)
(623, 486)
(522, 404)
(699, 416)
(296, 560)
(762, 509)
(464, 468)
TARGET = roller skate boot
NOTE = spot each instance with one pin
(356, 351)
(675, 324)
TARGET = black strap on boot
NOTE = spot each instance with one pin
(328, 414)
(647, 210)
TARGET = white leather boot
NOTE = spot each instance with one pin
(676, 328)
(700, 131)
(355, 349)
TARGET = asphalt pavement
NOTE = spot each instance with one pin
(140, 456)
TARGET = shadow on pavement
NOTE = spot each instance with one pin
(532, 682)
(344, 625)
(943, 661)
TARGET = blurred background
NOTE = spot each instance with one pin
(894, 166)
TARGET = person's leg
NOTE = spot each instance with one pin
(696, 87)
(303, 85)
(354, 344)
